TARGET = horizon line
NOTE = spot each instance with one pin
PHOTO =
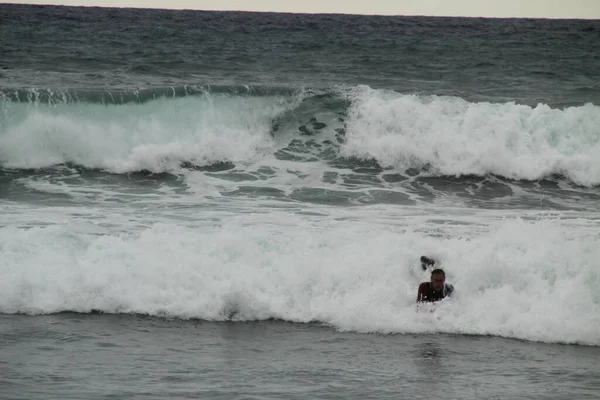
(134, 7)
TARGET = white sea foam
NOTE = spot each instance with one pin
(456, 137)
(156, 136)
(533, 279)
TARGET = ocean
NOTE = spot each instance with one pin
(233, 205)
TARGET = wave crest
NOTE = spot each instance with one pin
(450, 136)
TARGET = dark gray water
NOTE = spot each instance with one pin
(102, 356)
(524, 60)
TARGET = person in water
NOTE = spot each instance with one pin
(437, 288)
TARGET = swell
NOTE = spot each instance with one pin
(230, 316)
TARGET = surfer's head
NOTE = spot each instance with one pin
(438, 278)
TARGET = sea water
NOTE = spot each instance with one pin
(233, 205)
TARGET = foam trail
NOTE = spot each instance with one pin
(534, 280)
(454, 137)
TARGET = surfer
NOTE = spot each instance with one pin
(437, 288)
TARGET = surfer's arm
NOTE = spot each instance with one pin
(448, 289)
(421, 293)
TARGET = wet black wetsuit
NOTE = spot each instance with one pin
(426, 292)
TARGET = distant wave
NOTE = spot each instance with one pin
(163, 130)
